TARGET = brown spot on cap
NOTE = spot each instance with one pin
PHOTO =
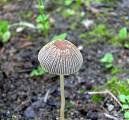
(60, 57)
(61, 45)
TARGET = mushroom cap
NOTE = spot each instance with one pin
(60, 57)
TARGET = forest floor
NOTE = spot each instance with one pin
(23, 97)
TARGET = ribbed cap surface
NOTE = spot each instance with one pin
(60, 57)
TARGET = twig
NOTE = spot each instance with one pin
(24, 24)
(111, 117)
(106, 92)
(46, 96)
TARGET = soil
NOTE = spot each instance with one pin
(22, 97)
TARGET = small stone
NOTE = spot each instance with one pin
(29, 113)
(80, 47)
(92, 115)
(82, 81)
(19, 29)
(88, 23)
(110, 107)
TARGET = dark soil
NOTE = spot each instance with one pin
(22, 96)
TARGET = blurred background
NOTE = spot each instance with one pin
(99, 28)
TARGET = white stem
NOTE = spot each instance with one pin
(24, 24)
(62, 97)
(111, 117)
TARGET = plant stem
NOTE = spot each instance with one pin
(41, 7)
(62, 97)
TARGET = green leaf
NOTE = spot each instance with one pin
(68, 2)
(127, 98)
(123, 33)
(4, 31)
(6, 36)
(4, 25)
(42, 18)
(40, 27)
(60, 37)
(108, 65)
(69, 12)
(107, 58)
(126, 45)
(39, 71)
(70, 104)
(97, 98)
(43, 24)
(128, 80)
(122, 98)
(118, 86)
(125, 107)
(79, 2)
(41, 7)
(126, 115)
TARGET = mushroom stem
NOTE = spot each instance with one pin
(62, 97)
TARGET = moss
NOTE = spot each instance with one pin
(114, 41)
(115, 71)
(99, 32)
(70, 104)
(73, 26)
(117, 86)
(97, 98)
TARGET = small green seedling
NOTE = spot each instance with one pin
(4, 31)
(61, 36)
(107, 60)
(39, 71)
(43, 23)
(123, 33)
(125, 105)
(43, 20)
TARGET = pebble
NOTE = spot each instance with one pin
(29, 113)
(110, 107)
(92, 115)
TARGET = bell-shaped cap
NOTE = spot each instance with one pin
(60, 57)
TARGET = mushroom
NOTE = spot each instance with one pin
(60, 57)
